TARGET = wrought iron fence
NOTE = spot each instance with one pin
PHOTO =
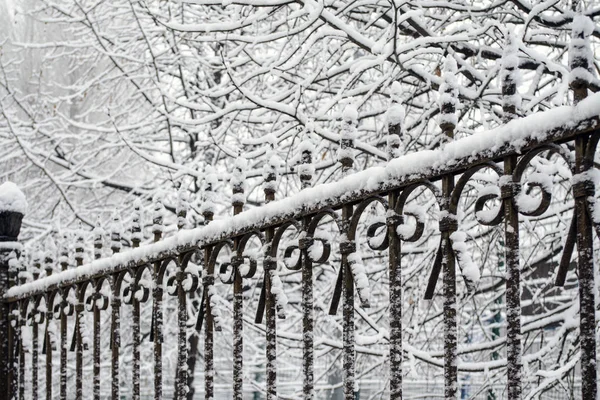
(144, 274)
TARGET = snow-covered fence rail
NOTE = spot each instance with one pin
(191, 261)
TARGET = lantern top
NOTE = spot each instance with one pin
(12, 198)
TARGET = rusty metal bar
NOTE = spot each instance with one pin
(270, 308)
(115, 344)
(48, 341)
(447, 227)
(238, 332)
(63, 350)
(509, 190)
(64, 306)
(157, 297)
(349, 353)
(34, 355)
(96, 351)
(22, 325)
(583, 190)
(136, 340)
(308, 320)
(182, 316)
(209, 367)
(395, 293)
(79, 345)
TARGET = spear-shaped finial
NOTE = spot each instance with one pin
(238, 184)
(79, 245)
(63, 259)
(448, 97)
(271, 170)
(394, 119)
(98, 233)
(157, 218)
(581, 57)
(116, 232)
(306, 168)
(50, 255)
(183, 205)
(345, 153)
(210, 195)
(137, 223)
(510, 78)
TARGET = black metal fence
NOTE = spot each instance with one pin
(31, 305)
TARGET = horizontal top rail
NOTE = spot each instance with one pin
(557, 125)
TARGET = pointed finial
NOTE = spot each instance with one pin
(63, 259)
(116, 232)
(209, 195)
(271, 169)
(183, 206)
(306, 168)
(137, 223)
(157, 218)
(36, 260)
(394, 118)
(581, 57)
(345, 153)
(98, 233)
(50, 255)
(448, 97)
(238, 184)
(79, 245)
(510, 78)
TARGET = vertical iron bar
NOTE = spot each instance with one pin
(513, 281)
(13, 348)
(22, 326)
(307, 322)
(583, 192)
(64, 264)
(96, 350)
(238, 339)
(157, 295)
(395, 291)
(48, 341)
(209, 368)
(116, 338)
(181, 338)
(270, 312)
(63, 348)
(348, 313)
(448, 225)
(136, 342)
(34, 354)
(449, 279)
(79, 343)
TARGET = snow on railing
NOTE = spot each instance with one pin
(559, 124)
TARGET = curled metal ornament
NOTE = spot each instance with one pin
(491, 217)
(96, 300)
(357, 214)
(310, 238)
(537, 180)
(135, 288)
(417, 232)
(400, 210)
(225, 267)
(523, 199)
(189, 279)
(271, 254)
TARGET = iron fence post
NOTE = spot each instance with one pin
(10, 225)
